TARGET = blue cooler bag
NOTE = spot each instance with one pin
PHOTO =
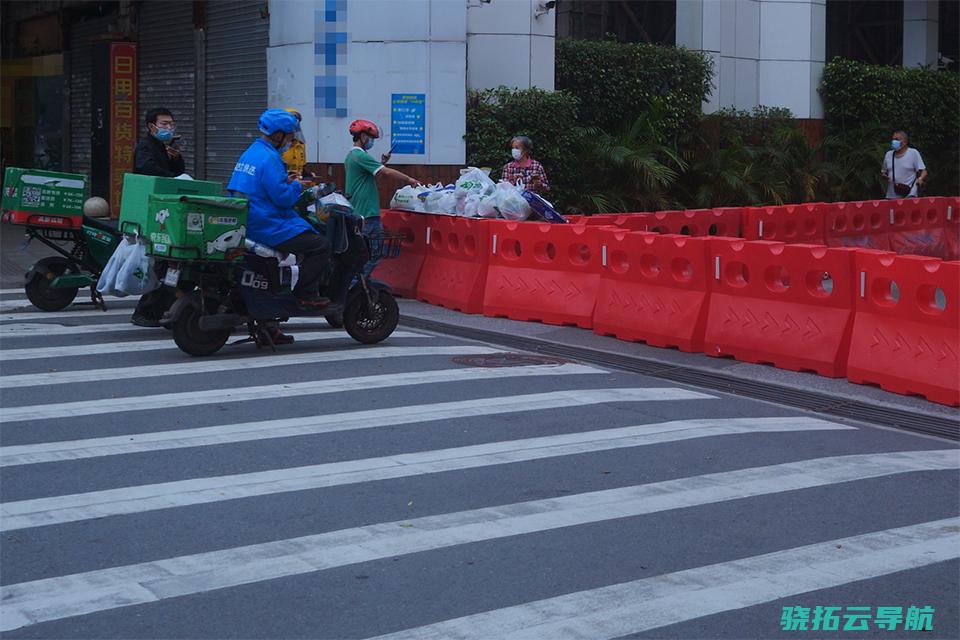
(541, 206)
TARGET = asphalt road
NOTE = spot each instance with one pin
(430, 487)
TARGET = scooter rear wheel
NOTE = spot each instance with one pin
(39, 291)
(192, 339)
(368, 324)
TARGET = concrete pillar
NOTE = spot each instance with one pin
(765, 52)
(792, 55)
(921, 31)
(510, 43)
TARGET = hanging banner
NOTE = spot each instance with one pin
(408, 123)
(123, 116)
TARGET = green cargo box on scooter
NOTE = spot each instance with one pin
(137, 190)
(194, 227)
(43, 198)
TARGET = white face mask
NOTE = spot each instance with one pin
(516, 153)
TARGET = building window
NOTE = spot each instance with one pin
(652, 21)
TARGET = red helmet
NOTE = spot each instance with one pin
(364, 126)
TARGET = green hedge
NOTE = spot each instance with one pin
(863, 100)
(616, 82)
(495, 116)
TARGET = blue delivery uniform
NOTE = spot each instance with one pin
(262, 177)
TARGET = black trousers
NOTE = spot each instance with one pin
(313, 252)
(154, 304)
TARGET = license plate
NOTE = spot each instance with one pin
(172, 277)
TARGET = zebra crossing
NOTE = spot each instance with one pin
(428, 487)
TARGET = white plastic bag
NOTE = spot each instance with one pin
(406, 198)
(447, 202)
(106, 285)
(336, 199)
(487, 206)
(136, 275)
(470, 205)
(474, 180)
(511, 203)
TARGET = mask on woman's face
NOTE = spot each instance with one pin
(516, 153)
(163, 135)
(895, 144)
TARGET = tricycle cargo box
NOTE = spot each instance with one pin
(194, 227)
(137, 188)
(43, 198)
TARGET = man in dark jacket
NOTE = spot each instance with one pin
(157, 155)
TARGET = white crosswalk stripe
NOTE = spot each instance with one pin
(70, 484)
(33, 353)
(349, 421)
(70, 508)
(624, 609)
(285, 358)
(10, 304)
(54, 598)
(289, 390)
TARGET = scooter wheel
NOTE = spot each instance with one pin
(192, 339)
(39, 291)
(369, 324)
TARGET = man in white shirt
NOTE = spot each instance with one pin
(902, 168)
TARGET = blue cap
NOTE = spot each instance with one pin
(273, 120)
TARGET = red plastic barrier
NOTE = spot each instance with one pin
(951, 227)
(793, 224)
(540, 271)
(454, 272)
(857, 224)
(653, 288)
(787, 305)
(402, 272)
(907, 326)
(697, 222)
(917, 227)
(632, 221)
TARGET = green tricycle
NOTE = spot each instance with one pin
(53, 209)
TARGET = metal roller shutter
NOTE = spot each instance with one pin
(166, 68)
(237, 39)
(81, 65)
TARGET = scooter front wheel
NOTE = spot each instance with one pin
(370, 323)
(41, 294)
(192, 339)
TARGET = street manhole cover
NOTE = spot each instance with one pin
(507, 360)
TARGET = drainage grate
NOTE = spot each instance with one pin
(507, 360)
(801, 399)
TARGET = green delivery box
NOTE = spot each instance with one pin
(43, 198)
(194, 227)
(137, 189)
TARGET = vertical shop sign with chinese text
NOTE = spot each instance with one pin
(123, 116)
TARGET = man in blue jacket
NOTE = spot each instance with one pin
(262, 178)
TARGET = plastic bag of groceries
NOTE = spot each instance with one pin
(136, 276)
(470, 204)
(107, 284)
(510, 202)
(407, 198)
(474, 180)
(487, 206)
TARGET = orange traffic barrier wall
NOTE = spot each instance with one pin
(653, 288)
(795, 223)
(907, 326)
(951, 227)
(632, 221)
(916, 227)
(401, 273)
(787, 305)
(541, 271)
(857, 224)
(454, 272)
(697, 222)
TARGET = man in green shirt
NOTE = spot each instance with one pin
(362, 172)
